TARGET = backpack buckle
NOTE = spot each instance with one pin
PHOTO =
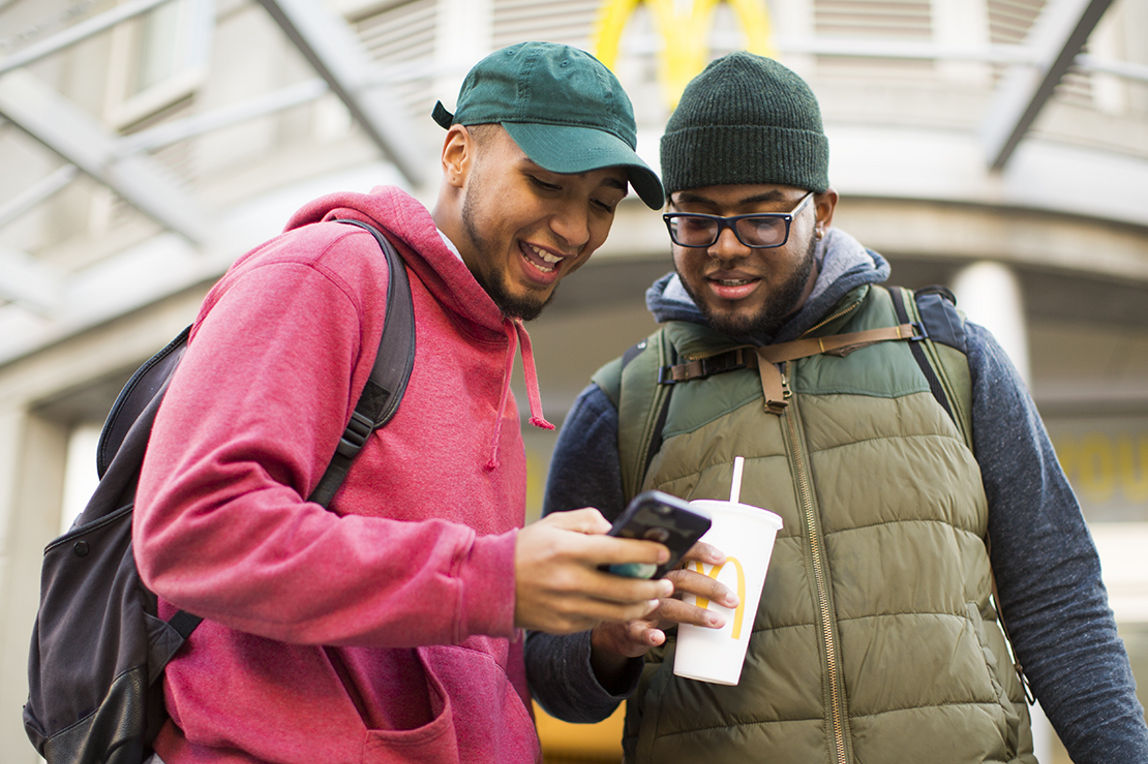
(355, 436)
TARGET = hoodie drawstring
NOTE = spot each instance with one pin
(531, 374)
(516, 334)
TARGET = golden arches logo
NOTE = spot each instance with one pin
(685, 49)
(714, 572)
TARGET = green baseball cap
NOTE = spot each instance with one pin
(562, 107)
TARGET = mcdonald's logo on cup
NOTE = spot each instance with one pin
(714, 572)
(684, 28)
(746, 535)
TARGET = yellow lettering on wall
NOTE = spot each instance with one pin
(739, 611)
(1106, 468)
(1097, 467)
(685, 44)
(1133, 461)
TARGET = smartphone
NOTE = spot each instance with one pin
(660, 517)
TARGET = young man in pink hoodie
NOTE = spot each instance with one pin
(388, 628)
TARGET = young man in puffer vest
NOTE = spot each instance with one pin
(875, 640)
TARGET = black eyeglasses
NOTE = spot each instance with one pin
(759, 230)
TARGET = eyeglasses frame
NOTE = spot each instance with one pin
(731, 221)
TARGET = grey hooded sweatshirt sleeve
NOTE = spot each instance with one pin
(1046, 565)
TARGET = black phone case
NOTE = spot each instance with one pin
(660, 517)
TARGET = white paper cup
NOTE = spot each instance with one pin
(746, 535)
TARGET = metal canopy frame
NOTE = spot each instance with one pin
(121, 163)
(335, 53)
(344, 68)
(1057, 38)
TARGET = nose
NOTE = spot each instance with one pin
(727, 246)
(572, 224)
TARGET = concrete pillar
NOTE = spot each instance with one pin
(33, 452)
(989, 294)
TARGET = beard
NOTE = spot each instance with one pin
(786, 300)
(523, 307)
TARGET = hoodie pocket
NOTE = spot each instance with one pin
(405, 714)
(434, 742)
(492, 721)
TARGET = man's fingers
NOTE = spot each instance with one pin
(687, 581)
(585, 520)
(620, 551)
(678, 612)
(703, 552)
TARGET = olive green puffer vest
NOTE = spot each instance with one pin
(875, 641)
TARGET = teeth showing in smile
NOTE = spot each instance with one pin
(733, 282)
(545, 256)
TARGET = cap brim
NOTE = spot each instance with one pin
(571, 149)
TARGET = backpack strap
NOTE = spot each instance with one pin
(389, 376)
(631, 383)
(942, 355)
(377, 404)
(639, 383)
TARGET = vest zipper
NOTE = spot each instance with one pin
(844, 311)
(824, 611)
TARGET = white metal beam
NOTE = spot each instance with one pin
(1056, 38)
(332, 49)
(27, 282)
(61, 126)
(39, 191)
(78, 33)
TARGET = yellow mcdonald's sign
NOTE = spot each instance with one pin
(739, 611)
(685, 49)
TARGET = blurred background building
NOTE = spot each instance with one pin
(996, 146)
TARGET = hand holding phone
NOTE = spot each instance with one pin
(658, 516)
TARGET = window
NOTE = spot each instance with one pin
(158, 59)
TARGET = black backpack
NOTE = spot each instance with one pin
(98, 647)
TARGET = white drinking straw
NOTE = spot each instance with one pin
(735, 485)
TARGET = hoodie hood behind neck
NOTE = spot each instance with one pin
(843, 264)
(411, 228)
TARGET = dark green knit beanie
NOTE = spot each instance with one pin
(745, 119)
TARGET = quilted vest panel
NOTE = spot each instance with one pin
(875, 641)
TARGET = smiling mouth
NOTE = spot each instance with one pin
(733, 289)
(541, 259)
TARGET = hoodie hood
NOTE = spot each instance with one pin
(843, 264)
(423, 248)
(407, 222)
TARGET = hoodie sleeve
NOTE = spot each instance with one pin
(1048, 571)
(584, 472)
(222, 527)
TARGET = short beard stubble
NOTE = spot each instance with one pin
(783, 304)
(524, 308)
(514, 307)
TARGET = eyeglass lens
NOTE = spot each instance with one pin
(753, 230)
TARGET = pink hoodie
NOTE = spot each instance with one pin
(411, 573)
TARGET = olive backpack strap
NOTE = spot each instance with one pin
(941, 353)
(632, 385)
